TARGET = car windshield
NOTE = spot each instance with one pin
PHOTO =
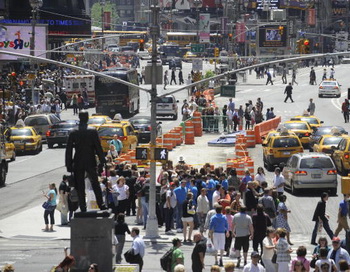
(140, 122)
(298, 126)
(110, 131)
(328, 83)
(286, 142)
(327, 130)
(98, 121)
(21, 132)
(164, 100)
(36, 121)
(310, 120)
(316, 162)
(332, 140)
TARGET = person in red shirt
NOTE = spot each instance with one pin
(345, 110)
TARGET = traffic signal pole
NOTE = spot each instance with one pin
(152, 221)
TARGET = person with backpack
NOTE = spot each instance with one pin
(177, 256)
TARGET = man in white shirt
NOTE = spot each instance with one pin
(216, 194)
(278, 181)
(168, 207)
(254, 266)
(138, 245)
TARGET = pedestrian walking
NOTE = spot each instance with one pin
(294, 77)
(288, 91)
(50, 196)
(120, 228)
(324, 76)
(284, 75)
(165, 79)
(320, 217)
(342, 215)
(198, 253)
(261, 221)
(312, 76)
(143, 75)
(181, 77)
(311, 108)
(138, 245)
(254, 265)
(269, 250)
(345, 110)
(247, 118)
(178, 255)
(283, 252)
(332, 73)
(75, 104)
(269, 78)
(173, 77)
(282, 217)
(63, 190)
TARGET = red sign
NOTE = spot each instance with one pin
(311, 19)
(107, 20)
(240, 32)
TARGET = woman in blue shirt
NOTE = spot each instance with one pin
(51, 198)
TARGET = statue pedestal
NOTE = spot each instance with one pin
(91, 240)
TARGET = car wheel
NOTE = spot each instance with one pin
(13, 158)
(40, 148)
(175, 117)
(293, 189)
(2, 174)
(50, 145)
(333, 191)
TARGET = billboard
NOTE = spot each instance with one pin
(271, 36)
(270, 4)
(293, 4)
(16, 38)
(339, 8)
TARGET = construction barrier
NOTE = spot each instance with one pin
(240, 167)
(189, 132)
(173, 137)
(168, 141)
(249, 164)
(250, 135)
(263, 128)
(179, 139)
(241, 139)
(197, 123)
(159, 141)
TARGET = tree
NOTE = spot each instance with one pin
(96, 14)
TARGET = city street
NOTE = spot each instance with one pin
(21, 221)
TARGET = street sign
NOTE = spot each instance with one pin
(197, 48)
(142, 153)
(161, 154)
(228, 90)
(197, 65)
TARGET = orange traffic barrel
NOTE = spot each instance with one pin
(241, 146)
(159, 141)
(173, 137)
(249, 164)
(230, 163)
(239, 165)
(250, 134)
(197, 123)
(189, 132)
(241, 154)
(179, 129)
(167, 141)
(241, 139)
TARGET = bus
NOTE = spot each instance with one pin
(186, 38)
(113, 97)
(77, 84)
(125, 36)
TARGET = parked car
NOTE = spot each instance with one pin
(143, 126)
(167, 106)
(329, 88)
(59, 132)
(41, 122)
(310, 171)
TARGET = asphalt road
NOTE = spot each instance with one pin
(29, 175)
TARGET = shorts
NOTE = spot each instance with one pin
(242, 242)
(219, 241)
(187, 219)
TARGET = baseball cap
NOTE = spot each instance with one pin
(336, 239)
(254, 254)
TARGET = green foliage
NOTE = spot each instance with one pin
(96, 14)
(209, 74)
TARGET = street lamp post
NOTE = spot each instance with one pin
(102, 3)
(197, 4)
(35, 5)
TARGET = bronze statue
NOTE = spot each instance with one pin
(87, 144)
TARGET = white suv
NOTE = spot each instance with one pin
(329, 87)
(167, 106)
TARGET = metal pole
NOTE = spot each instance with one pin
(103, 25)
(32, 48)
(152, 222)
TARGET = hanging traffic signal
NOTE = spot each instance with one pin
(280, 30)
(300, 46)
(142, 45)
(216, 52)
(230, 35)
(306, 46)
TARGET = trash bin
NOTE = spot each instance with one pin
(345, 184)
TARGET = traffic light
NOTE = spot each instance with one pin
(300, 46)
(230, 35)
(13, 77)
(216, 52)
(280, 30)
(161, 154)
(142, 153)
(306, 47)
(142, 45)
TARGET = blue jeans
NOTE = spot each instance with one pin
(326, 228)
(144, 210)
(119, 248)
(179, 216)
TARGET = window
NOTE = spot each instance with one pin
(332, 140)
(316, 163)
(286, 142)
(21, 132)
(294, 162)
(110, 131)
(342, 145)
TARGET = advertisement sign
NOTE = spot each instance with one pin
(107, 20)
(16, 38)
(270, 36)
(204, 22)
(267, 4)
(294, 4)
(311, 18)
(339, 8)
(204, 37)
(240, 32)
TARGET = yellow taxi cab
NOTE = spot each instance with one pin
(302, 129)
(341, 156)
(326, 142)
(10, 151)
(313, 121)
(189, 56)
(25, 138)
(278, 146)
(125, 131)
(96, 120)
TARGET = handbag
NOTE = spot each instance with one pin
(47, 206)
(130, 256)
(313, 262)
(190, 209)
(274, 258)
(210, 248)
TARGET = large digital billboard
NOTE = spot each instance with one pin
(16, 38)
(272, 36)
